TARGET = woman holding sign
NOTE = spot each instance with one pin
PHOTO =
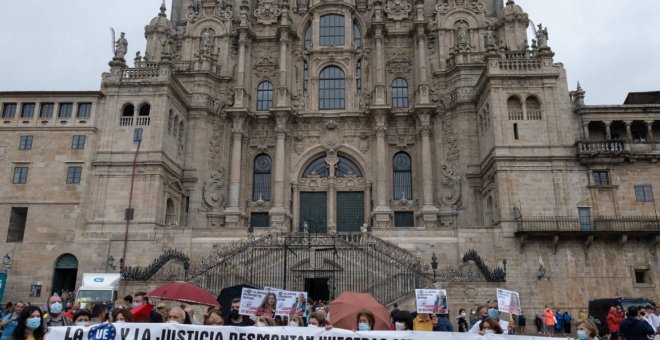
(30, 324)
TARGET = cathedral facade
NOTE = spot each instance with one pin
(436, 127)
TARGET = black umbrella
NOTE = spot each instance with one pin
(229, 293)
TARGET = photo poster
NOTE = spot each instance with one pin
(508, 301)
(291, 303)
(431, 301)
(251, 300)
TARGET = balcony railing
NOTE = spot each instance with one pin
(605, 146)
(600, 224)
(617, 148)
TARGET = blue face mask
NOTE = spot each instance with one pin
(582, 334)
(363, 326)
(56, 308)
(33, 323)
(493, 313)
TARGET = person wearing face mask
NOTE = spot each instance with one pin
(462, 323)
(489, 327)
(491, 311)
(55, 309)
(587, 330)
(82, 318)
(236, 319)
(121, 315)
(30, 325)
(365, 321)
(473, 317)
(403, 321)
(10, 320)
(296, 321)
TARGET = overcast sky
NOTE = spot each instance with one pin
(611, 46)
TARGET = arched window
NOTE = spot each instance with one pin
(264, 96)
(308, 35)
(261, 178)
(345, 166)
(402, 176)
(332, 88)
(128, 110)
(399, 93)
(533, 108)
(170, 216)
(357, 35)
(515, 109)
(358, 76)
(331, 31)
(145, 110)
(182, 132)
(317, 167)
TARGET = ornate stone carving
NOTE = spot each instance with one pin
(265, 66)
(445, 6)
(214, 194)
(207, 40)
(398, 63)
(198, 11)
(397, 10)
(267, 12)
(450, 181)
(332, 135)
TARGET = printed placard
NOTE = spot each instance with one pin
(291, 303)
(431, 301)
(508, 301)
(251, 300)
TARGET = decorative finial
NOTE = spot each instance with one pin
(578, 86)
(163, 8)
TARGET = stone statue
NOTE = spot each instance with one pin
(462, 35)
(207, 40)
(542, 36)
(138, 59)
(302, 5)
(490, 39)
(121, 47)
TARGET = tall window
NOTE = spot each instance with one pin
(84, 110)
(65, 110)
(357, 35)
(305, 78)
(514, 106)
(25, 143)
(261, 178)
(308, 35)
(182, 132)
(46, 110)
(331, 31)
(17, 221)
(20, 175)
(402, 176)
(8, 110)
(584, 215)
(332, 88)
(27, 110)
(170, 216)
(358, 76)
(399, 93)
(73, 175)
(601, 177)
(78, 142)
(264, 96)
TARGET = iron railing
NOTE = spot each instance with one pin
(620, 224)
(606, 146)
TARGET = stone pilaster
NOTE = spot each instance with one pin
(234, 216)
(382, 212)
(279, 217)
(429, 211)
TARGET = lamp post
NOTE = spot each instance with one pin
(110, 263)
(6, 260)
(186, 266)
(434, 264)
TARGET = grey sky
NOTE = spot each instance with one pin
(610, 46)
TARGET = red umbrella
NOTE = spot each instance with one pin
(141, 312)
(344, 310)
(184, 292)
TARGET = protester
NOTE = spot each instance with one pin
(614, 318)
(490, 326)
(424, 322)
(10, 320)
(365, 321)
(403, 321)
(635, 327)
(587, 330)
(177, 315)
(296, 321)
(121, 315)
(567, 322)
(128, 301)
(443, 323)
(139, 299)
(82, 318)
(214, 317)
(191, 314)
(99, 313)
(550, 320)
(234, 318)
(55, 309)
(539, 324)
(462, 323)
(30, 325)
(522, 323)
(317, 319)
(473, 317)
(394, 311)
(491, 311)
(72, 311)
(559, 322)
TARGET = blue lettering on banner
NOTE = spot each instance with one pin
(104, 331)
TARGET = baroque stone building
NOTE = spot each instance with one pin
(406, 133)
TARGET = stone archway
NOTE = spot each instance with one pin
(65, 274)
(332, 195)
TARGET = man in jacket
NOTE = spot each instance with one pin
(635, 327)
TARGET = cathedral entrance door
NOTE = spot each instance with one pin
(317, 288)
(313, 211)
(350, 211)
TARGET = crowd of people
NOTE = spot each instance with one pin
(25, 321)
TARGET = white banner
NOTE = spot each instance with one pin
(170, 331)
(291, 303)
(508, 301)
(431, 301)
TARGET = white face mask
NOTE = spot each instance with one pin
(172, 321)
(489, 332)
(81, 323)
(120, 321)
(400, 326)
(293, 324)
(463, 314)
(260, 324)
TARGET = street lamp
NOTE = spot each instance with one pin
(6, 260)
(186, 266)
(111, 262)
(434, 264)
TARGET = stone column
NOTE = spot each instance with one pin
(282, 95)
(382, 211)
(429, 210)
(296, 207)
(233, 212)
(585, 130)
(240, 73)
(278, 212)
(649, 130)
(628, 130)
(423, 88)
(608, 132)
(331, 159)
(380, 68)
